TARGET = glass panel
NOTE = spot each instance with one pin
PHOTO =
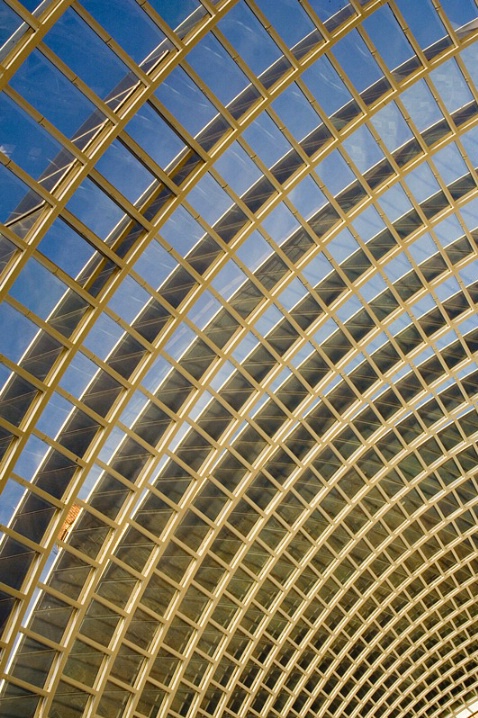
(325, 9)
(173, 12)
(217, 69)
(421, 106)
(55, 415)
(209, 199)
(422, 182)
(395, 202)
(363, 149)
(451, 85)
(11, 497)
(17, 332)
(237, 168)
(124, 171)
(152, 133)
(293, 293)
(279, 13)
(280, 223)
(37, 289)
(95, 209)
(357, 61)
(266, 139)
(179, 93)
(317, 269)
(326, 86)
(368, 223)
(254, 251)
(296, 111)
(448, 230)
(335, 173)
(249, 37)
(83, 662)
(182, 231)
(66, 248)
(19, 702)
(450, 163)
(155, 264)
(103, 336)
(140, 43)
(13, 191)
(78, 375)
(460, 13)
(129, 299)
(423, 21)
(307, 197)
(41, 84)
(69, 37)
(32, 5)
(388, 37)
(391, 126)
(342, 246)
(34, 156)
(228, 280)
(11, 28)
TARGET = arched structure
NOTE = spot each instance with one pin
(238, 411)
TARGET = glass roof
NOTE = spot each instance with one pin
(238, 375)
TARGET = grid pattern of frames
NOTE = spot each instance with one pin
(238, 404)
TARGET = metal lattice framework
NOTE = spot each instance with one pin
(238, 412)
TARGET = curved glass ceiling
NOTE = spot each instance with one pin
(238, 404)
